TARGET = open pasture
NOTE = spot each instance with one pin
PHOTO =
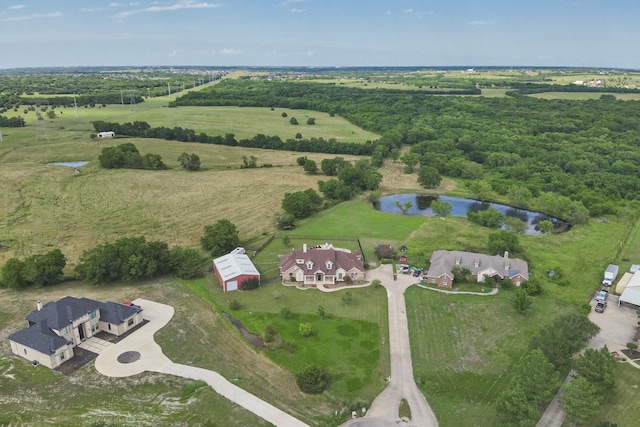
(50, 206)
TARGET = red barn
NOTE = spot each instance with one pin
(233, 269)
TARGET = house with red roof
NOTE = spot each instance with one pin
(321, 265)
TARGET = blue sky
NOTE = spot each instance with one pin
(593, 33)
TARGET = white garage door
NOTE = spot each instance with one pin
(232, 285)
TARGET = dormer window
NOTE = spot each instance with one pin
(299, 261)
(309, 265)
(329, 265)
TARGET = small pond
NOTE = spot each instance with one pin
(459, 207)
(69, 164)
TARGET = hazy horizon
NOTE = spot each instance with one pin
(320, 33)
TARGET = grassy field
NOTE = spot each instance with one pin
(49, 206)
(464, 349)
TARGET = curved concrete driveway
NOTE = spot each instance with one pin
(152, 359)
(384, 409)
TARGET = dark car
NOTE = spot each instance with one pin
(601, 306)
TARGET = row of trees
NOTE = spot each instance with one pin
(313, 145)
(36, 270)
(127, 156)
(11, 122)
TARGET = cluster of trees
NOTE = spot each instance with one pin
(313, 145)
(537, 375)
(220, 238)
(189, 162)
(36, 270)
(350, 179)
(133, 258)
(127, 156)
(299, 205)
(11, 122)
(582, 398)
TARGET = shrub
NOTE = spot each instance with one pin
(312, 380)
(286, 313)
(293, 121)
(250, 284)
(234, 305)
(305, 329)
(269, 334)
(347, 298)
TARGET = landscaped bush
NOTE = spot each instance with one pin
(312, 380)
(234, 305)
(250, 284)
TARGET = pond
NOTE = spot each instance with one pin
(460, 206)
(69, 164)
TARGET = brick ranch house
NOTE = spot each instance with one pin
(57, 327)
(321, 265)
(482, 267)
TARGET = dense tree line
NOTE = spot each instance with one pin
(133, 258)
(312, 145)
(11, 122)
(36, 270)
(127, 156)
(519, 89)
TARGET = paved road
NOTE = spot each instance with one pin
(153, 359)
(384, 409)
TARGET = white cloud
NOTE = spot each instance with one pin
(296, 10)
(114, 4)
(173, 53)
(310, 53)
(408, 11)
(228, 51)
(481, 22)
(32, 16)
(388, 12)
(17, 6)
(182, 4)
(288, 2)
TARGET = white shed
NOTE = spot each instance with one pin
(109, 134)
(233, 269)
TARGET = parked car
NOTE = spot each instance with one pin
(130, 304)
(602, 295)
(601, 306)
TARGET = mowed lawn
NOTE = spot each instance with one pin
(464, 349)
(347, 342)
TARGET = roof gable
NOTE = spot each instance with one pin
(443, 262)
(322, 258)
(63, 312)
(39, 337)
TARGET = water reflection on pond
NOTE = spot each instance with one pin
(460, 206)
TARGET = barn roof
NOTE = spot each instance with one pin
(234, 265)
(631, 293)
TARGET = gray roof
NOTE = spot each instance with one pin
(116, 313)
(39, 337)
(443, 261)
(63, 312)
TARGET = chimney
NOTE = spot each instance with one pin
(506, 255)
(304, 248)
(39, 305)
